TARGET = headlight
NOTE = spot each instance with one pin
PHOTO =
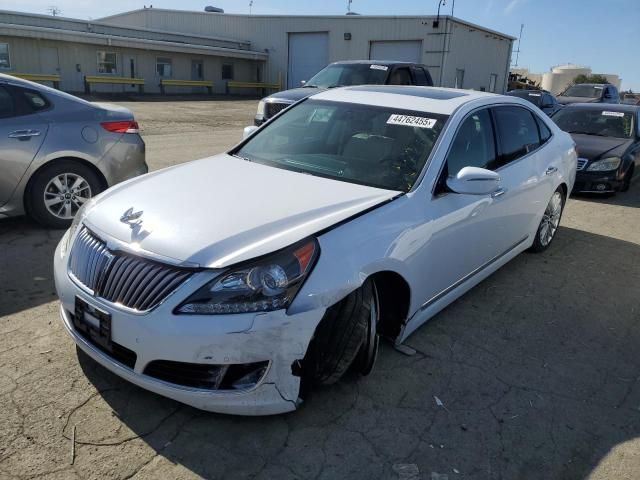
(605, 164)
(263, 285)
(261, 107)
(77, 220)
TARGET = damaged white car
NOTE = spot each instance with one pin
(235, 283)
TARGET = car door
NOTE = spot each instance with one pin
(467, 233)
(22, 132)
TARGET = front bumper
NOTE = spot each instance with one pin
(597, 182)
(275, 337)
(259, 120)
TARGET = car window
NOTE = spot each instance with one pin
(345, 74)
(473, 145)
(7, 107)
(545, 133)
(34, 100)
(420, 76)
(377, 146)
(517, 133)
(600, 122)
(400, 76)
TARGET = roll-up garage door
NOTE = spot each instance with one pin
(401, 51)
(308, 54)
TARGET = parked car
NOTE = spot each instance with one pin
(237, 282)
(631, 100)
(590, 93)
(542, 99)
(608, 144)
(57, 151)
(340, 74)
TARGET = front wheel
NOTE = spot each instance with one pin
(59, 190)
(346, 337)
(550, 221)
(626, 183)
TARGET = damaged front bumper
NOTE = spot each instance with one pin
(163, 352)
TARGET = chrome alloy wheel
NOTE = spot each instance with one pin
(65, 194)
(550, 219)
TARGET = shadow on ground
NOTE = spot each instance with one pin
(26, 264)
(537, 370)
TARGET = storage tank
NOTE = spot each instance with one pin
(559, 78)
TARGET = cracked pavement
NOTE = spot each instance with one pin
(537, 368)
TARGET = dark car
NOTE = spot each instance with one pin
(590, 93)
(630, 100)
(542, 99)
(342, 74)
(608, 143)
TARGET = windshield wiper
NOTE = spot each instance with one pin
(310, 86)
(241, 158)
(588, 133)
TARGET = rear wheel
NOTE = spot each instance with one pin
(59, 190)
(550, 221)
(347, 336)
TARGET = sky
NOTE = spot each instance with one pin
(601, 34)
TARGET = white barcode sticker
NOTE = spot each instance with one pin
(613, 114)
(535, 95)
(379, 67)
(409, 121)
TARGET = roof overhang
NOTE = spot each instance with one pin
(46, 33)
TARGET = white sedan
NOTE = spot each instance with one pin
(237, 282)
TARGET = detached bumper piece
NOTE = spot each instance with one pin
(206, 376)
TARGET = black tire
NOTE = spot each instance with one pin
(540, 245)
(35, 195)
(338, 338)
(626, 183)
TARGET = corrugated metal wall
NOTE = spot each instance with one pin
(455, 44)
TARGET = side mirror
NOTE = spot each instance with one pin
(248, 131)
(474, 181)
(303, 82)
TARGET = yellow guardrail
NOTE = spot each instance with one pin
(166, 82)
(104, 79)
(37, 77)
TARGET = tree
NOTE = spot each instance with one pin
(590, 79)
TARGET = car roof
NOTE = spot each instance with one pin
(427, 99)
(376, 62)
(613, 107)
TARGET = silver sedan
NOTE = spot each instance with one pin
(57, 151)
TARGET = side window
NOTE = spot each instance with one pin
(545, 133)
(473, 145)
(7, 106)
(34, 100)
(517, 133)
(400, 76)
(419, 75)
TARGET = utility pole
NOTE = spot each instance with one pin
(517, 52)
(250, 6)
(349, 6)
(53, 10)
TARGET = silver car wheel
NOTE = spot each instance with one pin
(550, 219)
(65, 194)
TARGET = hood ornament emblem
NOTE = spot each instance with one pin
(131, 218)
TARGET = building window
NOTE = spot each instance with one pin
(163, 67)
(107, 62)
(227, 71)
(5, 59)
(459, 78)
(493, 79)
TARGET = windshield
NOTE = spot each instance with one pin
(375, 146)
(342, 75)
(599, 122)
(586, 91)
(533, 97)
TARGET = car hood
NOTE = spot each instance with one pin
(295, 94)
(223, 210)
(567, 100)
(593, 147)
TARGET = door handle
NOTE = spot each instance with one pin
(499, 192)
(551, 170)
(24, 134)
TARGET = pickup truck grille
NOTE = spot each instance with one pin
(121, 278)
(273, 108)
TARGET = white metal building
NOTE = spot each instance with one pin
(273, 49)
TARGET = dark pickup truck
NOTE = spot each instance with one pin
(342, 74)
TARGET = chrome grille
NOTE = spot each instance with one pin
(134, 282)
(273, 108)
(582, 162)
